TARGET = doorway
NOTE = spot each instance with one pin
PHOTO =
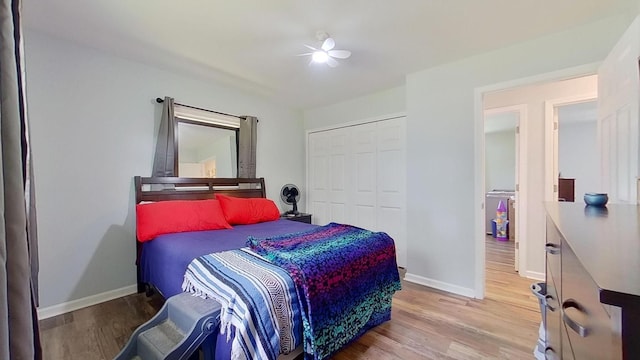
(577, 137)
(571, 146)
(502, 128)
(531, 94)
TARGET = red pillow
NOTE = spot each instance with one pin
(241, 211)
(174, 216)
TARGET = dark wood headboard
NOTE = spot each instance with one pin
(196, 188)
(177, 188)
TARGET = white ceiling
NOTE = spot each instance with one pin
(252, 44)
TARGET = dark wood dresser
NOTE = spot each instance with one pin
(593, 282)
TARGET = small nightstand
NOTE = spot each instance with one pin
(301, 217)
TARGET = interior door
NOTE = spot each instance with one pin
(556, 151)
(357, 175)
(391, 184)
(329, 157)
(516, 238)
(319, 184)
(504, 118)
(618, 97)
(364, 176)
(338, 165)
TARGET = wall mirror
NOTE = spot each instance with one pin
(205, 149)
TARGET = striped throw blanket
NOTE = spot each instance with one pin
(330, 285)
(257, 298)
(346, 277)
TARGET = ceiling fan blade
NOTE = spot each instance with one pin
(305, 54)
(328, 44)
(332, 62)
(310, 47)
(340, 54)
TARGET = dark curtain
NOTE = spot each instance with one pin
(19, 337)
(164, 160)
(248, 137)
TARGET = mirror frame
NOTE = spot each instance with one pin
(178, 120)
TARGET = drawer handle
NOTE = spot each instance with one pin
(552, 249)
(550, 353)
(548, 303)
(574, 325)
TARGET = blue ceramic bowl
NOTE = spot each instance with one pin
(596, 199)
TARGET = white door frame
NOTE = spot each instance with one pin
(479, 192)
(521, 179)
(551, 140)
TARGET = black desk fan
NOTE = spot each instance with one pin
(290, 195)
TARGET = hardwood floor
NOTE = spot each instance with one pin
(425, 323)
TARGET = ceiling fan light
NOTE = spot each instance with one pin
(320, 57)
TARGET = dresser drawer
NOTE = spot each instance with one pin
(553, 321)
(587, 323)
(553, 247)
(567, 352)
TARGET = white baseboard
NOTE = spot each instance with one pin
(59, 309)
(535, 275)
(436, 284)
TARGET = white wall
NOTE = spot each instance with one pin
(440, 129)
(387, 102)
(93, 123)
(578, 156)
(440, 143)
(500, 160)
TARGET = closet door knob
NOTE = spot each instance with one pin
(549, 353)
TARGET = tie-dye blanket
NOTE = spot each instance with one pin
(345, 276)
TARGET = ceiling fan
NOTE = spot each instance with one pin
(326, 53)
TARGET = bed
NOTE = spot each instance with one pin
(163, 261)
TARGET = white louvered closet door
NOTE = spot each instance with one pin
(357, 176)
(364, 170)
(338, 176)
(391, 183)
(318, 173)
(328, 176)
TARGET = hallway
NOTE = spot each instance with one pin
(502, 282)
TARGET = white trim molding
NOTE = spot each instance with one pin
(534, 275)
(357, 122)
(63, 308)
(440, 285)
